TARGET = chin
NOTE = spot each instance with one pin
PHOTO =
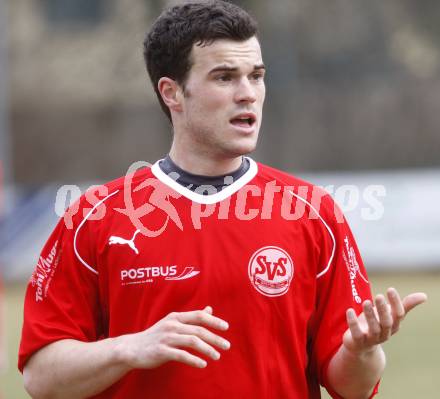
(243, 148)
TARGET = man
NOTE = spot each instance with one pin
(207, 275)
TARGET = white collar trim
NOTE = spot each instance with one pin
(211, 198)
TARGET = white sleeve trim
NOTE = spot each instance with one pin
(328, 229)
(81, 225)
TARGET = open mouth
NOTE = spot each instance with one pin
(247, 120)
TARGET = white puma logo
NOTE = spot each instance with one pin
(119, 240)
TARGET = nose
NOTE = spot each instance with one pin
(245, 92)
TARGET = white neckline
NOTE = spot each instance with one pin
(211, 198)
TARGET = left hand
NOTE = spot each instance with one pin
(375, 325)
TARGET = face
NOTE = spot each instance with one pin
(221, 105)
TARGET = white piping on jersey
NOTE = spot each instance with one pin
(211, 198)
(328, 229)
(79, 227)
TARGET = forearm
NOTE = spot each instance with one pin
(353, 376)
(71, 369)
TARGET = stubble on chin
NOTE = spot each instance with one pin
(235, 149)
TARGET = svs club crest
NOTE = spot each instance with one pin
(271, 271)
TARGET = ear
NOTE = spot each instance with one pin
(171, 94)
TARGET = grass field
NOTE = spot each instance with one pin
(413, 369)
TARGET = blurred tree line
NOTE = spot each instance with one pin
(351, 85)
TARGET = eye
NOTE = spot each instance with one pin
(258, 76)
(224, 77)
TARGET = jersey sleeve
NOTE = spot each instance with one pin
(62, 296)
(342, 283)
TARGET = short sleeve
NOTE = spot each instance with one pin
(62, 296)
(342, 284)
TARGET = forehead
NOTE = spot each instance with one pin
(227, 52)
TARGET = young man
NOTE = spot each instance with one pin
(207, 275)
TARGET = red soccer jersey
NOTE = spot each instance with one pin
(270, 253)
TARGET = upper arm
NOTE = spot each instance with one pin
(62, 297)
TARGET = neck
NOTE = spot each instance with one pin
(202, 163)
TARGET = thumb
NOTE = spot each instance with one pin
(413, 300)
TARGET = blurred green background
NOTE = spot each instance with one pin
(412, 370)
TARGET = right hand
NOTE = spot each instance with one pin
(165, 340)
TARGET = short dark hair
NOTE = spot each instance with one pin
(168, 45)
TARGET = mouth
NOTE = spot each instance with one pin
(245, 120)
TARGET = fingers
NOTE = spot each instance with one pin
(193, 342)
(205, 335)
(374, 328)
(376, 324)
(179, 355)
(190, 323)
(189, 330)
(385, 318)
(208, 309)
(201, 317)
(379, 320)
(408, 303)
(355, 328)
(397, 308)
(401, 308)
(168, 338)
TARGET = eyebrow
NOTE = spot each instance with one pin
(225, 68)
